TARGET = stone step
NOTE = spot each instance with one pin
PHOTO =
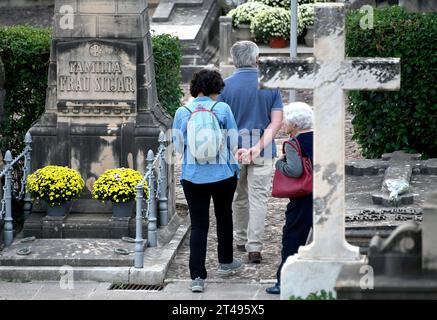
(71, 252)
(81, 225)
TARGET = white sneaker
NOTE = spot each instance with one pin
(197, 285)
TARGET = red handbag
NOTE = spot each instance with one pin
(289, 187)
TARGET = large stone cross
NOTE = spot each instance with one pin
(330, 75)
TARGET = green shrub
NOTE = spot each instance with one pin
(404, 119)
(26, 53)
(167, 52)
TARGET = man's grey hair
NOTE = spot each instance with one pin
(244, 54)
(300, 114)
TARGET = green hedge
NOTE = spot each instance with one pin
(26, 52)
(167, 52)
(405, 119)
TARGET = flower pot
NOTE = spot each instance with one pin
(242, 32)
(277, 43)
(309, 36)
(57, 210)
(123, 210)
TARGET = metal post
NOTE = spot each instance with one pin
(8, 228)
(163, 192)
(139, 243)
(293, 41)
(27, 164)
(152, 216)
(225, 39)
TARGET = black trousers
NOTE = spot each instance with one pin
(199, 197)
(298, 223)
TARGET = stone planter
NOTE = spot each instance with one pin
(309, 36)
(277, 43)
(123, 210)
(57, 211)
(242, 32)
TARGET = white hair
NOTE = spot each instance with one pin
(244, 54)
(300, 114)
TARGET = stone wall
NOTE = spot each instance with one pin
(419, 5)
(26, 3)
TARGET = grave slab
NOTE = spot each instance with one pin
(71, 252)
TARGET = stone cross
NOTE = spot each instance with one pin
(329, 75)
(397, 166)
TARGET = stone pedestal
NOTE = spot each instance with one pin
(101, 109)
(303, 277)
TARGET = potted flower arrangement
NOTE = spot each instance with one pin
(56, 186)
(118, 186)
(242, 17)
(272, 26)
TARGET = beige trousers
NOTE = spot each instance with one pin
(250, 204)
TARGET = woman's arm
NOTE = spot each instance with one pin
(292, 165)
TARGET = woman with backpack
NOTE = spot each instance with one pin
(298, 121)
(205, 133)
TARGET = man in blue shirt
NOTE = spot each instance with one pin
(258, 113)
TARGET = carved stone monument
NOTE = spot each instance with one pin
(383, 193)
(316, 266)
(101, 110)
(404, 266)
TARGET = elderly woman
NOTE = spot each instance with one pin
(298, 120)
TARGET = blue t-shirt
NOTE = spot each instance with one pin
(226, 165)
(251, 107)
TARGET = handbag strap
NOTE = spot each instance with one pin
(295, 145)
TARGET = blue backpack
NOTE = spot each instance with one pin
(204, 134)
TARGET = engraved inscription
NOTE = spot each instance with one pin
(96, 71)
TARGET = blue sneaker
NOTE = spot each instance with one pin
(197, 285)
(227, 268)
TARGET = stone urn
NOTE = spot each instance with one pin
(277, 43)
(123, 210)
(242, 32)
(309, 36)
